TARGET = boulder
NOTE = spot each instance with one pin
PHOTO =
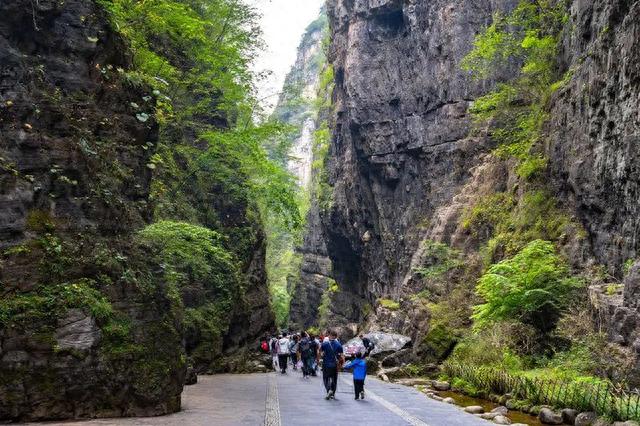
(489, 416)
(585, 419)
(627, 423)
(398, 359)
(385, 343)
(441, 386)
(414, 382)
(474, 409)
(511, 404)
(449, 400)
(549, 417)
(191, 378)
(501, 420)
(569, 415)
(502, 410)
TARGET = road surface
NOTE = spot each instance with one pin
(282, 400)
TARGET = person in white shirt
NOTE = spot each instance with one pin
(283, 352)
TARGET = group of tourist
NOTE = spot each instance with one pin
(308, 352)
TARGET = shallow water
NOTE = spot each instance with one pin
(515, 416)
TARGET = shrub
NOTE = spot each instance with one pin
(532, 287)
(392, 305)
(194, 255)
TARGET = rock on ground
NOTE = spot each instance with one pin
(549, 417)
(585, 419)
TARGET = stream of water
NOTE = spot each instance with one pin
(514, 416)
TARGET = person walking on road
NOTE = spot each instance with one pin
(283, 352)
(307, 355)
(293, 351)
(273, 346)
(359, 366)
(332, 360)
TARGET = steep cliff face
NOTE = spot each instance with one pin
(87, 327)
(593, 147)
(96, 306)
(405, 167)
(401, 149)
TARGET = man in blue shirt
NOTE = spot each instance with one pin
(332, 359)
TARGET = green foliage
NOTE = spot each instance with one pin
(271, 185)
(532, 167)
(528, 36)
(194, 255)
(195, 260)
(488, 213)
(195, 54)
(392, 305)
(205, 327)
(325, 302)
(532, 287)
(627, 265)
(48, 302)
(508, 224)
(321, 188)
(441, 259)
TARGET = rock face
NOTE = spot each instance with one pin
(315, 274)
(86, 325)
(401, 149)
(593, 147)
(404, 166)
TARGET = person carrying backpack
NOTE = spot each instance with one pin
(293, 351)
(283, 352)
(368, 345)
(359, 366)
(307, 355)
(332, 359)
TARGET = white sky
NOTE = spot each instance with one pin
(283, 23)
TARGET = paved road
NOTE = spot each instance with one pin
(282, 400)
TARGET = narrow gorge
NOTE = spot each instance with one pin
(461, 175)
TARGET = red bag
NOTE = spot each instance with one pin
(264, 346)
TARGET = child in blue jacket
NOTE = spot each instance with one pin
(359, 366)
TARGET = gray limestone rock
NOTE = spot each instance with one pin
(77, 331)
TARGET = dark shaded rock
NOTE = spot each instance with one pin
(74, 191)
(549, 417)
(191, 378)
(568, 415)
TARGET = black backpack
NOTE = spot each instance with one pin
(305, 348)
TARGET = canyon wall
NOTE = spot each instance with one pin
(87, 326)
(406, 168)
(91, 324)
